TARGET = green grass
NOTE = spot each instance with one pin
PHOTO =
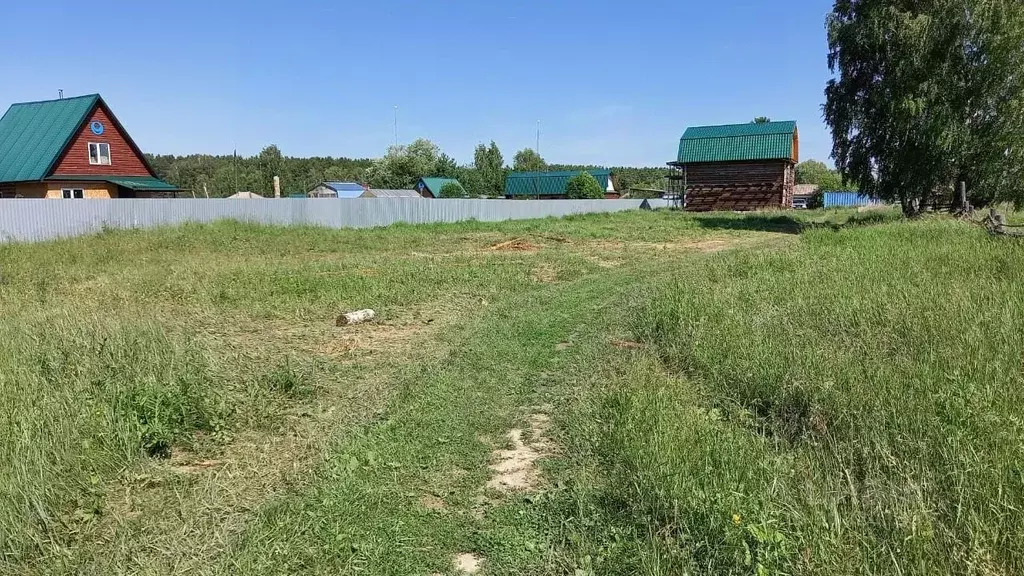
(162, 387)
(850, 406)
(833, 393)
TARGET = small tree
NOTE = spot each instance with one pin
(762, 120)
(527, 160)
(453, 190)
(583, 186)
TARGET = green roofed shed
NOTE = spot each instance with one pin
(739, 142)
(552, 184)
(736, 167)
(431, 187)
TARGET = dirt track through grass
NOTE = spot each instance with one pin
(667, 395)
(248, 311)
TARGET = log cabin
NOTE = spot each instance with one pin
(72, 148)
(736, 167)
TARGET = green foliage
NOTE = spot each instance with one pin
(528, 160)
(817, 173)
(582, 186)
(225, 175)
(625, 177)
(403, 165)
(453, 190)
(470, 179)
(491, 167)
(928, 94)
(446, 167)
(762, 120)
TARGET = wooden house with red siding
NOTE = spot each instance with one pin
(736, 167)
(72, 148)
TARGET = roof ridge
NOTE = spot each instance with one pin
(745, 124)
(55, 100)
(730, 136)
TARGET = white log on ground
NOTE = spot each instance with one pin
(357, 317)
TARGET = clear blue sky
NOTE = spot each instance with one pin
(612, 82)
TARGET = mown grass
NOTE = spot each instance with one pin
(162, 386)
(813, 393)
(850, 406)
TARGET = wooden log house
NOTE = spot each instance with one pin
(72, 148)
(736, 167)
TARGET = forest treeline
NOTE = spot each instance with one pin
(399, 168)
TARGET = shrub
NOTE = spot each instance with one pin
(453, 190)
(583, 186)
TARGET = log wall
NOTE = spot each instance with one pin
(738, 185)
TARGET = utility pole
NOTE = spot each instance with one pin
(60, 94)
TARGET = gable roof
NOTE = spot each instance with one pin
(737, 142)
(344, 186)
(345, 189)
(390, 193)
(548, 183)
(34, 135)
(434, 185)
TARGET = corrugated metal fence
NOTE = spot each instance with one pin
(840, 199)
(43, 219)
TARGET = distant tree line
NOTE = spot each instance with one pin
(399, 168)
(223, 175)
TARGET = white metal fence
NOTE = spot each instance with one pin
(24, 220)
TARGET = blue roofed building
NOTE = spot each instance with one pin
(337, 190)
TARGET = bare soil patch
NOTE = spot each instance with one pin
(515, 245)
(468, 563)
(626, 344)
(515, 469)
(431, 502)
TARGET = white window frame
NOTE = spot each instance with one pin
(99, 156)
(69, 193)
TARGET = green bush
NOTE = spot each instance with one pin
(584, 186)
(453, 190)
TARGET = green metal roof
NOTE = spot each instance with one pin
(737, 142)
(133, 182)
(34, 134)
(548, 183)
(434, 185)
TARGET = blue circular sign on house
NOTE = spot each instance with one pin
(96, 127)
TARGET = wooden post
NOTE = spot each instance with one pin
(961, 197)
(277, 186)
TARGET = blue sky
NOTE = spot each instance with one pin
(612, 82)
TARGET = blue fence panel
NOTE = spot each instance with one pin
(840, 199)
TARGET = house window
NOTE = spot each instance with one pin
(99, 153)
(72, 193)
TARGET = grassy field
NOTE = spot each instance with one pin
(612, 394)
